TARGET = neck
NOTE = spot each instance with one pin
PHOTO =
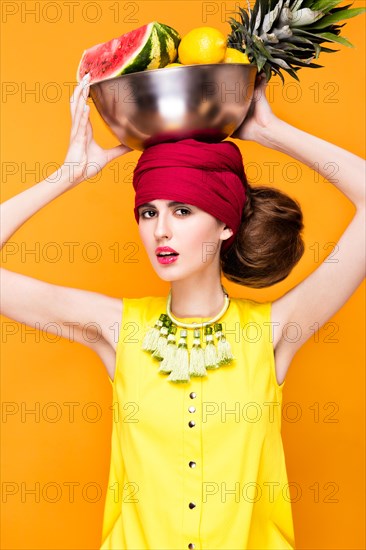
(197, 298)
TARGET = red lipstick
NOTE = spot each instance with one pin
(166, 255)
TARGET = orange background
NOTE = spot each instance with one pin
(325, 384)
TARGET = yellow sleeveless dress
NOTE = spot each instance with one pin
(198, 464)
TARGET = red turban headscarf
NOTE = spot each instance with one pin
(207, 175)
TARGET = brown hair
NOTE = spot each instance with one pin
(268, 243)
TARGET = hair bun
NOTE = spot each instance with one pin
(269, 243)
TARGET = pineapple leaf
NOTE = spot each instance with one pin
(276, 71)
(328, 36)
(338, 16)
(335, 10)
(281, 62)
(260, 47)
(292, 48)
(306, 17)
(292, 72)
(245, 18)
(302, 64)
(326, 5)
(293, 59)
(281, 53)
(262, 63)
(285, 35)
(315, 37)
(317, 50)
(296, 6)
(255, 15)
(309, 4)
(260, 60)
(258, 20)
(327, 50)
(299, 40)
(271, 17)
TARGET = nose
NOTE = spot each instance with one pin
(162, 227)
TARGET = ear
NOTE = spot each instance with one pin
(226, 233)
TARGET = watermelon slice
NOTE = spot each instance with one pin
(149, 47)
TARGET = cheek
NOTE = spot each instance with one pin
(141, 233)
(208, 231)
(200, 236)
(144, 236)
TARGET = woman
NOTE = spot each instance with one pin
(190, 468)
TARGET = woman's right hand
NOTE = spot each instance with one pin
(85, 158)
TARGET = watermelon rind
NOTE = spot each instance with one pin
(165, 48)
(159, 47)
(171, 32)
(169, 39)
(147, 58)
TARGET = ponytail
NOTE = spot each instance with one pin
(268, 243)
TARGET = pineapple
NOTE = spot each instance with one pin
(286, 35)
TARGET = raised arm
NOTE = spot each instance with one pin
(38, 303)
(84, 159)
(317, 298)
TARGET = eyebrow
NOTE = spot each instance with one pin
(149, 204)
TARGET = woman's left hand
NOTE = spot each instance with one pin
(260, 116)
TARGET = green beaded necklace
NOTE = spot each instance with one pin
(177, 360)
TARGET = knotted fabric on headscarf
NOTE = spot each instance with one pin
(207, 175)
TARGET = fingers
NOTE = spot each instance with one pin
(81, 92)
(78, 90)
(79, 108)
(89, 132)
(79, 135)
(81, 132)
(261, 82)
(261, 77)
(259, 88)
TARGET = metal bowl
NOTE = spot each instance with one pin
(192, 101)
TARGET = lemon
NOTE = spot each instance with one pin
(234, 56)
(172, 65)
(202, 45)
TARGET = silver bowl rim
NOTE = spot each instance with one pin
(159, 70)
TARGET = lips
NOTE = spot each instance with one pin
(166, 255)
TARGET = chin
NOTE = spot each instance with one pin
(168, 274)
(176, 273)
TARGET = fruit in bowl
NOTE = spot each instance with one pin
(202, 45)
(145, 93)
(275, 36)
(209, 86)
(286, 35)
(149, 47)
